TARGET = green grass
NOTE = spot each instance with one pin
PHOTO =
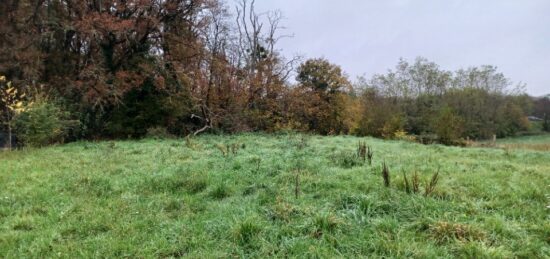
(234, 196)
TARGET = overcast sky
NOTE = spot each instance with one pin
(369, 36)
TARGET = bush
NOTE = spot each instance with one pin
(158, 133)
(42, 123)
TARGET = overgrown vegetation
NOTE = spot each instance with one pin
(178, 199)
(198, 66)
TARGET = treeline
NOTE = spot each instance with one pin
(120, 69)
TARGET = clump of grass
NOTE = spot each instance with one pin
(196, 184)
(189, 143)
(415, 182)
(282, 211)
(386, 174)
(370, 154)
(325, 224)
(444, 232)
(256, 161)
(362, 150)
(430, 186)
(245, 232)
(346, 160)
(407, 183)
(222, 148)
(297, 185)
(220, 192)
(234, 148)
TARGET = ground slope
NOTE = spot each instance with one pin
(227, 196)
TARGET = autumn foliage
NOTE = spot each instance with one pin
(123, 67)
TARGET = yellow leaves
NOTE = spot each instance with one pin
(2, 79)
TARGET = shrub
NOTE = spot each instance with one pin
(43, 122)
(158, 133)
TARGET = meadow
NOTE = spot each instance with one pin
(285, 195)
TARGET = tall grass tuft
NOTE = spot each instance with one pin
(415, 182)
(297, 185)
(386, 175)
(430, 186)
(407, 183)
(362, 150)
(370, 153)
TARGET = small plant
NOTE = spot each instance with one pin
(234, 148)
(220, 192)
(256, 161)
(297, 185)
(370, 153)
(444, 232)
(430, 186)
(189, 142)
(325, 223)
(222, 148)
(346, 160)
(407, 183)
(386, 175)
(415, 182)
(245, 232)
(362, 150)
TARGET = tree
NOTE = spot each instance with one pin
(448, 126)
(324, 85)
(546, 123)
(11, 101)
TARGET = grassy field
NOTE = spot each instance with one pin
(535, 142)
(272, 195)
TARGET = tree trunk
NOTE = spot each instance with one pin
(9, 136)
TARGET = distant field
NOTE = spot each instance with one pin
(235, 196)
(537, 142)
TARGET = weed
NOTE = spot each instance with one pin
(222, 148)
(362, 150)
(415, 182)
(430, 186)
(370, 154)
(407, 183)
(324, 224)
(297, 185)
(386, 174)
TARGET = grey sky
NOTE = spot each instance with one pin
(368, 36)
